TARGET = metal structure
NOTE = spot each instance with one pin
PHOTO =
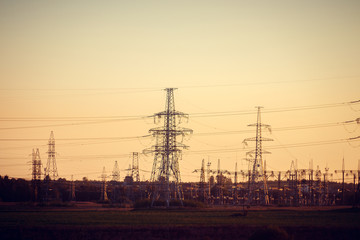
(202, 182)
(116, 173)
(346, 173)
(208, 172)
(103, 196)
(36, 165)
(36, 173)
(135, 167)
(167, 152)
(51, 169)
(235, 193)
(257, 173)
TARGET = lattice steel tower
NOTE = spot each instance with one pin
(103, 196)
(135, 167)
(36, 165)
(51, 169)
(257, 173)
(116, 172)
(36, 173)
(167, 152)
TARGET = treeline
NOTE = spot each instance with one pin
(14, 190)
(21, 190)
(219, 191)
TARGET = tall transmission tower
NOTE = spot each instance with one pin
(167, 151)
(36, 165)
(116, 173)
(51, 169)
(135, 167)
(258, 173)
(36, 173)
(103, 196)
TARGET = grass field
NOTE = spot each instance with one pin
(40, 223)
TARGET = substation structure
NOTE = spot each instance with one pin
(255, 186)
(294, 187)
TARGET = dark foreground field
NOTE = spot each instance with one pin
(101, 223)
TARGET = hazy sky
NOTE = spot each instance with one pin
(81, 68)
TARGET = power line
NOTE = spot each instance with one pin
(72, 124)
(201, 114)
(274, 110)
(110, 119)
(293, 145)
(311, 126)
(75, 139)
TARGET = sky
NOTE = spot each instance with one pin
(93, 72)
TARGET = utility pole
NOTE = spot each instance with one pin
(311, 179)
(318, 185)
(208, 175)
(167, 152)
(219, 184)
(343, 181)
(279, 189)
(326, 186)
(347, 173)
(235, 184)
(257, 162)
(51, 169)
(202, 181)
(72, 189)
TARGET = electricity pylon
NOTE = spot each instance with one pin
(103, 196)
(167, 151)
(258, 171)
(135, 167)
(36, 165)
(116, 173)
(36, 173)
(51, 169)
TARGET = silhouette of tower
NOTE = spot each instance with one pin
(72, 189)
(202, 181)
(36, 174)
(135, 167)
(167, 152)
(103, 196)
(208, 172)
(235, 195)
(116, 173)
(257, 173)
(51, 169)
